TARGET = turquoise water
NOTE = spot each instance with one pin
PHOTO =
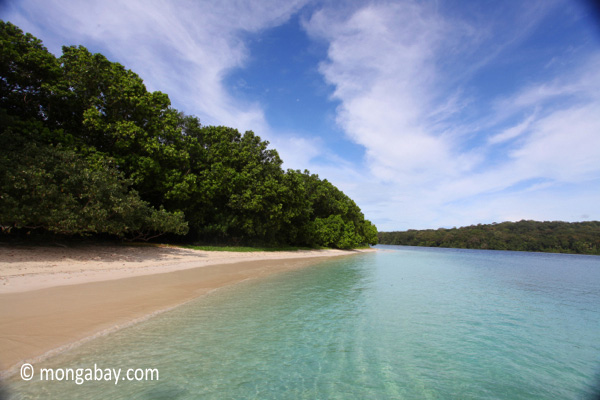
(402, 323)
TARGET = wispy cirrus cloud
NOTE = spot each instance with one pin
(513, 131)
(404, 73)
(463, 117)
(380, 63)
(184, 48)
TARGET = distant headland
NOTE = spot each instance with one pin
(548, 236)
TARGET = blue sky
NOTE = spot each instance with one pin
(428, 114)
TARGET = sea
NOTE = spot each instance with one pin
(399, 323)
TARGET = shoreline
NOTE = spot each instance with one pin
(53, 304)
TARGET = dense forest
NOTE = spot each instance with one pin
(554, 237)
(87, 150)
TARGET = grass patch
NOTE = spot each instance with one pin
(245, 249)
(236, 249)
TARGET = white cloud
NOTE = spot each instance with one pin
(390, 64)
(402, 72)
(513, 131)
(183, 48)
(564, 146)
(577, 84)
(381, 63)
(297, 152)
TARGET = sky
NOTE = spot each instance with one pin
(429, 114)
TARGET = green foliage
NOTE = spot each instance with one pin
(553, 237)
(369, 232)
(27, 73)
(87, 149)
(59, 191)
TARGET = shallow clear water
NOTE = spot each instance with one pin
(402, 323)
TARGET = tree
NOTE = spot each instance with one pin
(27, 73)
(59, 191)
(554, 236)
(87, 149)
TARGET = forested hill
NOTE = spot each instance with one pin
(85, 149)
(555, 237)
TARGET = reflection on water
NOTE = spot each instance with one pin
(410, 323)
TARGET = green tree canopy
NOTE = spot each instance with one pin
(549, 236)
(87, 149)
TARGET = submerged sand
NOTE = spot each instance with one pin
(52, 298)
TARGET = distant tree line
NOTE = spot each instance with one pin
(553, 237)
(85, 149)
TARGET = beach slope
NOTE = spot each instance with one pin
(54, 298)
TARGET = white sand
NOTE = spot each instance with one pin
(31, 268)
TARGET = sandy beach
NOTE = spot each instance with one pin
(54, 298)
